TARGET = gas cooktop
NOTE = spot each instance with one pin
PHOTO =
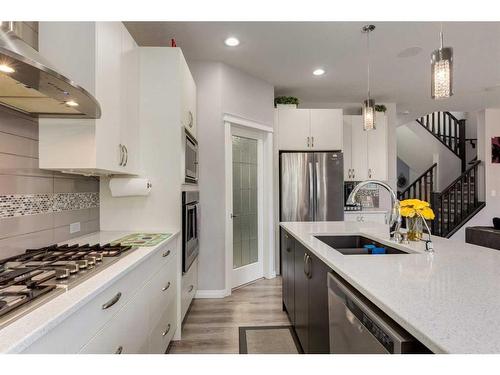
(38, 275)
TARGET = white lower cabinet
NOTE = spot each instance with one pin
(135, 314)
(362, 217)
(189, 286)
(126, 333)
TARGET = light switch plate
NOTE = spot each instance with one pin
(74, 227)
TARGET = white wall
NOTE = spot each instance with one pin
(221, 90)
(419, 149)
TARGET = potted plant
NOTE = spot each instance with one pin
(415, 211)
(286, 102)
(380, 108)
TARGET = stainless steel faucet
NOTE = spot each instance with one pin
(429, 246)
(395, 220)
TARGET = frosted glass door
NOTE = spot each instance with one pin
(245, 205)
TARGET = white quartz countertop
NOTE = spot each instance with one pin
(22, 332)
(449, 300)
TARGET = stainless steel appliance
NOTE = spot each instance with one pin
(312, 186)
(38, 275)
(191, 158)
(357, 326)
(31, 85)
(190, 228)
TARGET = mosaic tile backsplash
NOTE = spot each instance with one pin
(32, 204)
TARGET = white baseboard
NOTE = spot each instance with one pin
(221, 293)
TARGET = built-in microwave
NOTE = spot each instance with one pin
(191, 158)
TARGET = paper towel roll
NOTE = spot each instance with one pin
(126, 187)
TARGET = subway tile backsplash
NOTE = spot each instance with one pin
(36, 205)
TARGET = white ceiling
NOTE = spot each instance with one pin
(285, 54)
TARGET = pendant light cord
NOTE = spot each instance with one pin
(368, 48)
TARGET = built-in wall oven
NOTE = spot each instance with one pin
(190, 228)
(191, 158)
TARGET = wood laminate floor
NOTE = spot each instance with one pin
(212, 325)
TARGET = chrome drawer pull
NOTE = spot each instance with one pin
(191, 287)
(112, 301)
(166, 287)
(166, 254)
(166, 331)
(119, 350)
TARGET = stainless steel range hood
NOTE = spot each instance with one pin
(30, 85)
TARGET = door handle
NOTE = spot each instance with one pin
(305, 263)
(164, 333)
(370, 173)
(308, 142)
(112, 301)
(312, 141)
(308, 260)
(318, 189)
(126, 155)
(166, 287)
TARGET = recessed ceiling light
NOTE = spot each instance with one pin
(72, 103)
(4, 68)
(232, 41)
(319, 72)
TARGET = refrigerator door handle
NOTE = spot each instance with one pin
(318, 190)
(311, 191)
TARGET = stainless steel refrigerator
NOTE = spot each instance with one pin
(311, 186)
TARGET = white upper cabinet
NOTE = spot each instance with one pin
(293, 129)
(365, 152)
(188, 100)
(326, 129)
(105, 57)
(309, 129)
(377, 150)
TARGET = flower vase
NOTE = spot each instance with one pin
(415, 228)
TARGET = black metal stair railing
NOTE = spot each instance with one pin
(456, 204)
(422, 188)
(449, 130)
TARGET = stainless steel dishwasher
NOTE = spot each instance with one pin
(357, 326)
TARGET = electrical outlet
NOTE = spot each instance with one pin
(74, 228)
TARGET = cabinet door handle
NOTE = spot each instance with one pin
(191, 119)
(191, 287)
(112, 301)
(126, 155)
(370, 173)
(119, 350)
(312, 141)
(353, 173)
(166, 287)
(308, 143)
(305, 263)
(164, 333)
(166, 254)
(308, 262)
(120, 146)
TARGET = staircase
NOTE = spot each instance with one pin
(449, 131)
(458, 202)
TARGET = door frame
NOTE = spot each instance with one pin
(264, 134)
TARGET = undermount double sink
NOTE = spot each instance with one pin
(354, 245)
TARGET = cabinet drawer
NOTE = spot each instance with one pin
(162, 290)
(81, 326)
(189, 286)
(162, 332)
(126, 333)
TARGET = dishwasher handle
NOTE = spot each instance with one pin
(380, 326)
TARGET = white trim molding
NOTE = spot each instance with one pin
(202, 294)
(236, 120)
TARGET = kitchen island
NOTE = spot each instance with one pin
(448, 300)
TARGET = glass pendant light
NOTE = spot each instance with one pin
(368, 104)
(442, 71)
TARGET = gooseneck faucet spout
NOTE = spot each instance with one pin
(395, 220)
